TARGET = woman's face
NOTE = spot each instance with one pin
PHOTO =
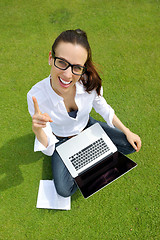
(63, 81)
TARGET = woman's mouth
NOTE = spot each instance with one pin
(64, 83)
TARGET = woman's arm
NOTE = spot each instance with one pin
(132, 138)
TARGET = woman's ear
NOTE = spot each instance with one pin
(50, 58)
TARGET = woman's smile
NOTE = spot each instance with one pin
(64, 83)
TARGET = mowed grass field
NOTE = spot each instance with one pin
(124, 37)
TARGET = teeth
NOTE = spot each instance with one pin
(64, 82)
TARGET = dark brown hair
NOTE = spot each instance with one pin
(91, 79)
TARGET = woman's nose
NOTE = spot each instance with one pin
(68, 72)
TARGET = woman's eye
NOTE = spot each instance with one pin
(62, 63)
(78, 68)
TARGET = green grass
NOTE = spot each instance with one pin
(124, 36)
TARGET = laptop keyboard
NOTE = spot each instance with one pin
(89, 154)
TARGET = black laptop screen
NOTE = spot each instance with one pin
(104, 173)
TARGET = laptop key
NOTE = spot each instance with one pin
(89, 154)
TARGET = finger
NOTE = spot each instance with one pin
(39, 122)
(138, 145)
(39, 125)
(134, 145)
(36, 107)
(41, 118)
(48, 117)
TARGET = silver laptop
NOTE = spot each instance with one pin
(93, 160)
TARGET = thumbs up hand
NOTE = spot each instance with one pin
(39, 120)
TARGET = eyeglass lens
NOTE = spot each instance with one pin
(63, 65)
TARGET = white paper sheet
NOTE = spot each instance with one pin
(49, 198)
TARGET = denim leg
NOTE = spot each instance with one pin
(117, 137)
(64, 183)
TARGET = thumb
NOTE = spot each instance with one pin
(49, 119)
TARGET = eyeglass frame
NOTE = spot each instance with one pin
(69, 65)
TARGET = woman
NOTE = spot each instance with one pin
(60, 105)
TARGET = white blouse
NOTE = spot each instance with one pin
(63, 125)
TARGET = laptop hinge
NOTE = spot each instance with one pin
(101, 160)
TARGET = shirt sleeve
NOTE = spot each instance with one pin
(48, 131)
(105, 110)
(51, 142)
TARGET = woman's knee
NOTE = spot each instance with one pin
(118, 138)
(62, 191)
(64, 183)
(126, 149)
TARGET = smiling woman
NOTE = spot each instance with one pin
(67, 66)
(60, 105)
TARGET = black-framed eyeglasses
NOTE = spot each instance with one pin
(64, 64)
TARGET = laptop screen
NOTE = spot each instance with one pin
(104, 173)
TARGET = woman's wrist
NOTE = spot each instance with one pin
(41, 136)
(117, 123)
(126, 131)
(37, 131)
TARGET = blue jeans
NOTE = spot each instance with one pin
(64, 183)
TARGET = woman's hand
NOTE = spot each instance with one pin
(134, 140)
(39, 120)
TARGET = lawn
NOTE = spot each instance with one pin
(124, 36)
